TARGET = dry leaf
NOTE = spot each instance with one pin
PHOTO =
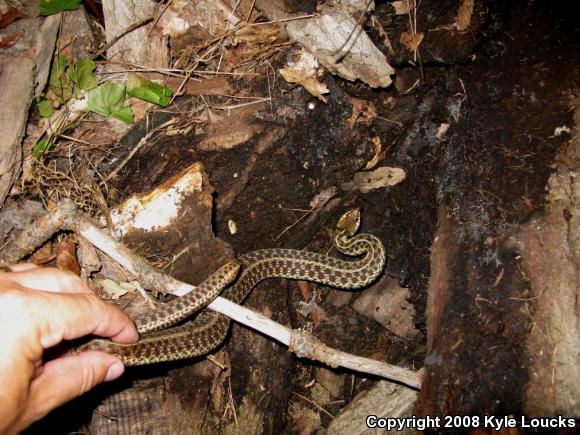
(43, 255)
(319, 315)
(9, 16)
(270, 34)
(209, 86)
(232, 226)
(10, 40)
(305, 73)
(66, 256)
(338, 298)
(378, 148)
(362, 111)
(558, 131)
(381, 31)
(320, 394)
(388, 303)
(305, 421)
(305, 288)
(442, 130)
(411, 40)
(403, 7)
(330, 35)
(355, 7)
(380, 177)
(115, 289)
(228, 131)
(323, 197)
(88, 257)
(331, 381)
(464, 15)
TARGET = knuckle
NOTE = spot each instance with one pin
(88, 377)
(13, 299)
(73, 279)
(16, 311)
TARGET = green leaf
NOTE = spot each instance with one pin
(144, 89)
(49, 7)
(41, 147)
(56, 72)
(124, 114)
(81, 73)
(45, 109)
(107, 99)
(59, 83)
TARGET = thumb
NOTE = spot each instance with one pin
(67, 377)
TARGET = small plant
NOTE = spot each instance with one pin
(107, 99)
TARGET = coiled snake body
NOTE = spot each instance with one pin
(209, 329)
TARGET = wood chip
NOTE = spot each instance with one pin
(464, 15)
(305, 73)
(381, 177)
(363, 111)
(403, 7)
(411, 40)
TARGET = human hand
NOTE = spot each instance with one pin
(39, 308)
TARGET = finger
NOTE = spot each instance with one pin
(65, 378)
(50, 280)
(61, 316)
(19, 267)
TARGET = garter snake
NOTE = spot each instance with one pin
(209, 329)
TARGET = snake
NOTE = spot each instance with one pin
(161, 341)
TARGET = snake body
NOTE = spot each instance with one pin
(208, 329)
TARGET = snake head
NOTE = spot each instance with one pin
(349, 222)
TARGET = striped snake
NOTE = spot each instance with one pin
(209, 329)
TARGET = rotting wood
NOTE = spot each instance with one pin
(383, 400)
(226, 200)
(15, 101)
(551, 260)
(138, 45)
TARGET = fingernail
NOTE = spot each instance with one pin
(114, 371)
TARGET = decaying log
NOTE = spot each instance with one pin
(19, 72)
(384, 400)
(551, 259)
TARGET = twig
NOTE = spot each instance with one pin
(129, 29)
(230, 14)
(397, 123)
(136, 148)
(250, 12)
(236, 106)
(283, 20)
(289, 227)
(354, 34)
(306, 399)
